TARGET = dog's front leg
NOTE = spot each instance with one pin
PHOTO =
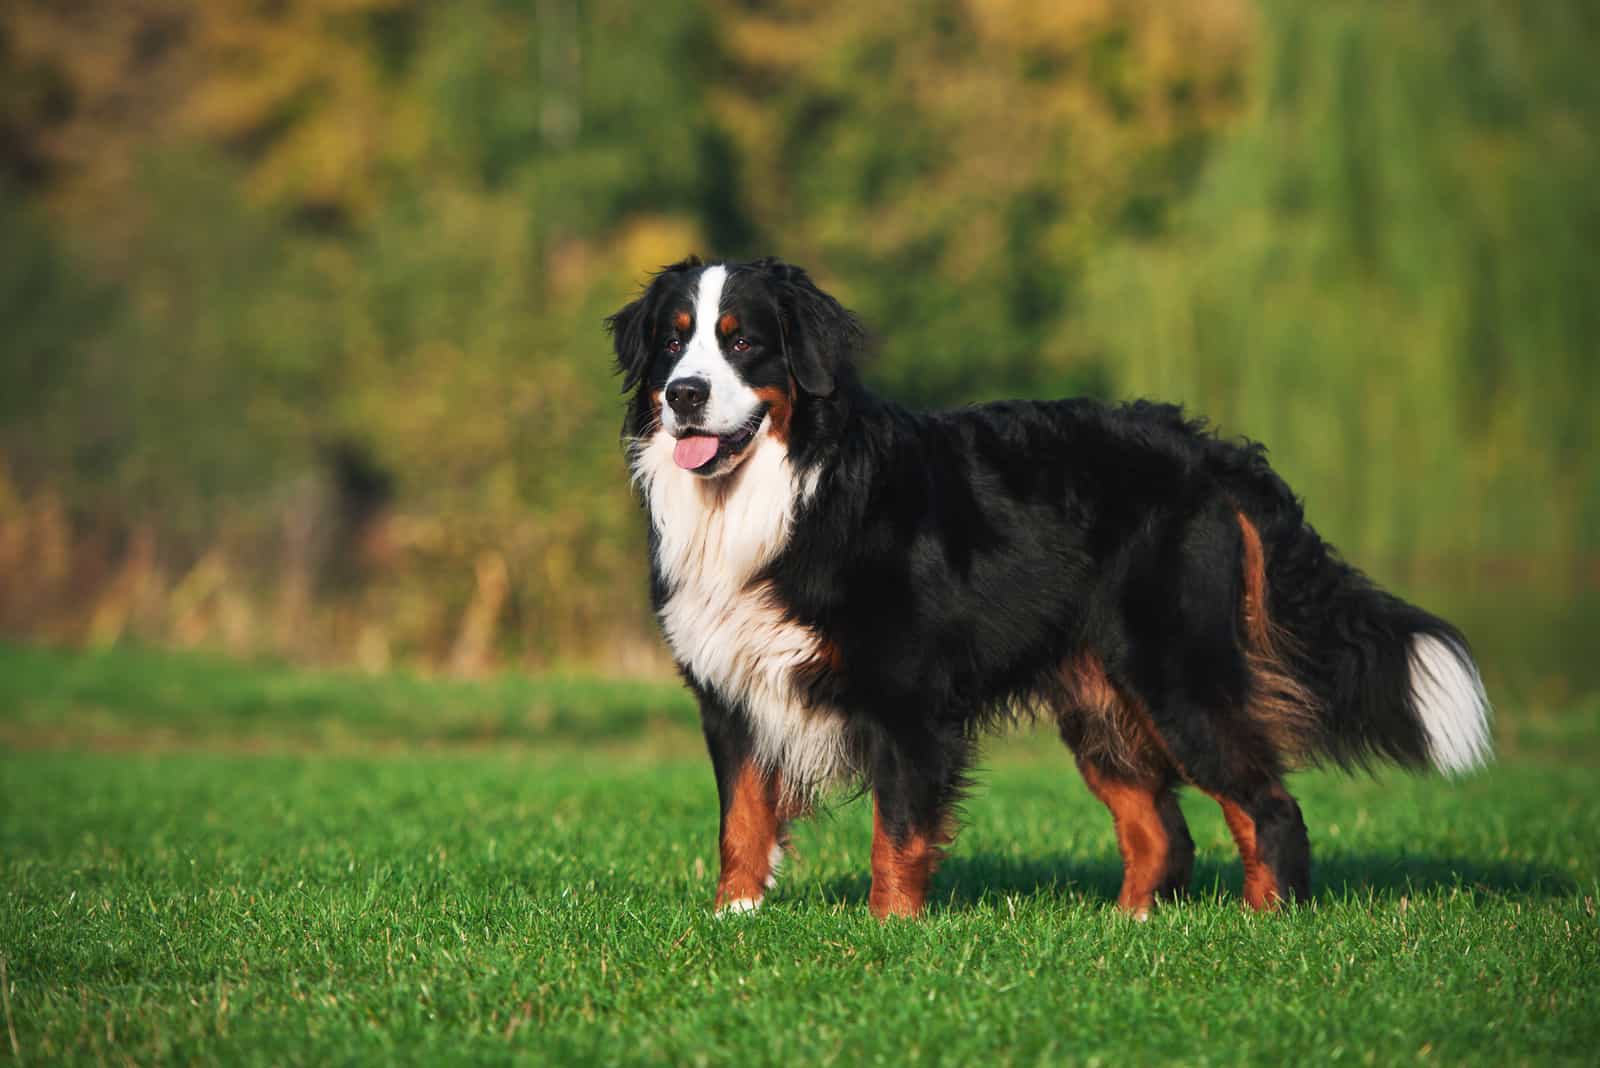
(913, 796)
(752, 834)
(903, 859)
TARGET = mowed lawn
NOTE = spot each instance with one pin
(203, 861)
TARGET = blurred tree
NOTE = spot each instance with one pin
(51, 314)
(953, 166)
(241, 237)
(1388, 275)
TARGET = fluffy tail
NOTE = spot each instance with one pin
(1447, 696)
(1339, 669)
(1382, 678)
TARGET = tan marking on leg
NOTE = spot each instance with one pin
(750, 830)
(902, 870)
(1109, 728)
(1260, 885)
(1086, 680)
(1141, 836)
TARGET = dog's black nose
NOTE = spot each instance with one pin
(688, 395)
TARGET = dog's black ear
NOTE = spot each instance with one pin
(818, 333)
(633, 327)
(631, 331)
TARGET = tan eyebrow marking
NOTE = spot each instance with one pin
(728, 323)
(682, 321)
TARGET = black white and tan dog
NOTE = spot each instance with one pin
(854, 591)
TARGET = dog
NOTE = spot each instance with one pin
(854, 591)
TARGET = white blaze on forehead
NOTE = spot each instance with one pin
(707, 307)
(731, 402)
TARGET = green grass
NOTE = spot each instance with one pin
(119, 697)
(343, 896)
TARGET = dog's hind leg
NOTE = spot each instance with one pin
(1222, 711)
(1125, 767)
(1229, 758)
(1271, 835)
(1220, 756)
(1157, 851)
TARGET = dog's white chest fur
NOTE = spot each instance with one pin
(713, 537)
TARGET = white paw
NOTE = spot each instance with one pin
(741, 904)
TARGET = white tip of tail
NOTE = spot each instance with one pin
(1448, 697)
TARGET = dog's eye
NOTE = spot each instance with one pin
(741, 345)
(674, 345)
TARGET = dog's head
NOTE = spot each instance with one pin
(719, 354)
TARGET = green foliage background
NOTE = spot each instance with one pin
(242, 237)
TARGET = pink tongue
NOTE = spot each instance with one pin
(694, 451)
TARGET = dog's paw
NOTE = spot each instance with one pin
(738, 906)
